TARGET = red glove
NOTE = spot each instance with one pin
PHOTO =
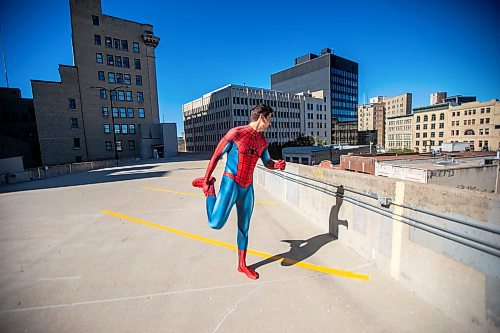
(280, 164)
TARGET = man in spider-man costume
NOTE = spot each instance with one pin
(244, 146)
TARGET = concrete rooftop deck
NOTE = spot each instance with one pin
(128, 249)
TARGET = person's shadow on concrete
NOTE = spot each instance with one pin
(303, 249)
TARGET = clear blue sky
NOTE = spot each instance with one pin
(401, 46)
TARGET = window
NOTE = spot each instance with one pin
(76, 143)
(417, 135)
(119, 146)
(108, 145)
(135, 47)
(469, 132)
(425, 126)
(116, 43)
(115, 112)
(481, 121)
(129, 96)
(433, 117)
(107, 42)
(109, 60)
(138, 80)
(126, 62)
(105, 111)
(488, 111)
(123, 113)
(441, 125)
(111, 77)
(137, 63)
(95, 20)
(124, 129)
(140, 113)
(127, 78)
(74, 123)
(72, 103)
(424, 135)
(433, 126)
(121, 95)
(487, 120)
(486, 131)
(113, 95)
(118, 61)
(130, 113)
(441, 134)
(441, 116)
(433, 134)
(418, 119)
(100, 76)
(124, 45)
(117, 129)
(103, 93)
(480, 131)
(418, 127)
(107, 129)
(140, 96)
(131, 144)
(426, 118)
(97, 39)
(119, 78)
(131, 129)
(98, 58)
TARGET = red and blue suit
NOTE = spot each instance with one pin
(244, 147)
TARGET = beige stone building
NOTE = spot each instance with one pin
(429, 124)
(398, 105)
(399, 132)
(477, 123)
(110, 92)
(372, 117)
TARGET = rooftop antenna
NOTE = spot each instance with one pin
(3, 58)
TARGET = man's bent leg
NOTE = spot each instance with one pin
(219, 207)
(244, 206)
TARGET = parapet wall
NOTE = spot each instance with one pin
(451, 258)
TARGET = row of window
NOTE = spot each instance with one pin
(471, 122)
(271, 103)
(117, 61)
(119, 78)
(344, 73)
(121, 95)
(119, 147)
(485, 131)
(470, 112)
(123, 112)
(433, 126)
(433, 134)
(319, 107)
(119, 44)
(433, 117)
(120, 128)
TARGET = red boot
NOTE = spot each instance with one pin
(242, 266)
(208, 190)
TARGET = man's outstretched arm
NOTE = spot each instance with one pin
(270, 164)
(224, 145)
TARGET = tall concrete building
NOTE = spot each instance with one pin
(106, 105)
(208, 118)
(335, 75)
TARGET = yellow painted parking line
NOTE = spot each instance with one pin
(176, 192)
(313, 267)
(198, 194)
